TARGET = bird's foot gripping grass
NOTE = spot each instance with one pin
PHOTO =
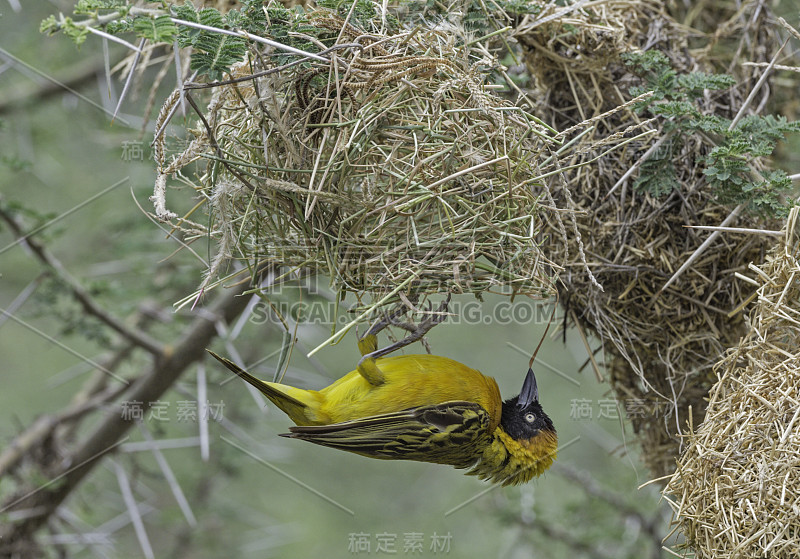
(368, 344)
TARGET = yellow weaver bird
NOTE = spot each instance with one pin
(421, 407)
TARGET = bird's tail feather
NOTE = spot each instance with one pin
(291, 406)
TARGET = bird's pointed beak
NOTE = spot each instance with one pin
(529, 392)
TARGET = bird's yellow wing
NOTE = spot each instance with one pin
(449, 433)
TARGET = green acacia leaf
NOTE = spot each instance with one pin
(159, 29)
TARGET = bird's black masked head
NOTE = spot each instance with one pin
(523, 417)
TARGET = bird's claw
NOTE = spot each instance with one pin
(368, 344)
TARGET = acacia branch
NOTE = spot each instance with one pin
(567, 537)
(74, 78)
(44, 426)
(40, 504)
(62, 424)
(89, 305)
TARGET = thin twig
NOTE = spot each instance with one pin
(81, 295)
(169, 476)
(736, 230)
(696, 254)
(756, 88)
(44, 426)
(245, 35)
(133, 510)
(129, 80)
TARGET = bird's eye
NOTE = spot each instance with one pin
(530, 418)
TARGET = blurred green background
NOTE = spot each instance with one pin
(306, 500)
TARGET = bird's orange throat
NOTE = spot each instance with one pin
(532, 456)
(510, 461)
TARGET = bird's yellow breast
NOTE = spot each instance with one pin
(409, 381)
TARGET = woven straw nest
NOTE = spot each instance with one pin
(736, 491)
(396, 169)
(660, 346)
(573, 53)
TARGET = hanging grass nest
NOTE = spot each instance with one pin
(572, 53)
(632, 207)
(391, 167)
(736, 490)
